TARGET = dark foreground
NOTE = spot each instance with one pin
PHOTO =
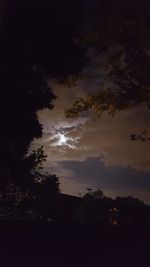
(73, 245)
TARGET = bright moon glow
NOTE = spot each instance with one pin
(62, 139)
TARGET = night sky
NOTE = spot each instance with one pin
(96, 153)
(87, 151)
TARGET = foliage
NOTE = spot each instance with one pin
(96, 208)
(36, 43)
(93, 208)
(42, 33)
(35, 198)
(118, 30)
(142, 137)
(24, 91)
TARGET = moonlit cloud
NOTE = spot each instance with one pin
(107, 137)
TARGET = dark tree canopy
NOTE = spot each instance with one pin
(23, 92)
(34, 196)
(36, 42)
(120, 31)
(43, 33)
(96, 208)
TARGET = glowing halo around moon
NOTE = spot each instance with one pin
(63, 141)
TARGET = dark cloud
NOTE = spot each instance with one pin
(120, 180)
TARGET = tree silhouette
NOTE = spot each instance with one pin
(37, 42)
(42, 33)
(35, 198)
(94, 209)
(23, 92)
(120, 32)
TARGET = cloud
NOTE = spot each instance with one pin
(95, 170)
(113, 181)
(110, 137)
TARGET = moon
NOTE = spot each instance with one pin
(62, 139)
